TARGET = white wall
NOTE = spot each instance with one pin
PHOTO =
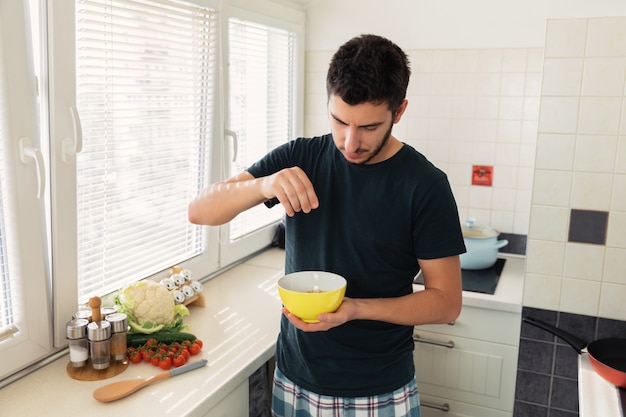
(450, 41)
(438, 24)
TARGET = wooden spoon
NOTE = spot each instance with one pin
(121, 389)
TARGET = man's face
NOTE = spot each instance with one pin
(361, 132)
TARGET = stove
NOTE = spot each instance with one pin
(482, 281)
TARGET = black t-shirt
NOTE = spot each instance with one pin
(373, 223)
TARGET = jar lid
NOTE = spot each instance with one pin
(470, 229)
(99, 331)
(76, 328)
(119, 322)
(83, 314)
(107, 310)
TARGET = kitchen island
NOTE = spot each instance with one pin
(238, 325)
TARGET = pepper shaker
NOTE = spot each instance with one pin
(119, 326)
(99, 334)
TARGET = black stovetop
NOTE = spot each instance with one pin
(481, 280)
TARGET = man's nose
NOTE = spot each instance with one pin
(352, 139)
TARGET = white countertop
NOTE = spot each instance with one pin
(509, 292)
(597, 397)
(238, 326)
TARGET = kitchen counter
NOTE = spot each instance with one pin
(509, 292)
(598, 397)
(238, 326)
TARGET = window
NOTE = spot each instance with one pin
(133, 108)
(262, 112)
(145, 76)
(24, 330)
(261, 62)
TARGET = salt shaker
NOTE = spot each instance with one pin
(76, 333)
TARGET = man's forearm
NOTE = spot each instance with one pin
(221, 202)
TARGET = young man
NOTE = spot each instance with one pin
(364, 205)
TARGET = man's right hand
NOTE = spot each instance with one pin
(293, 189)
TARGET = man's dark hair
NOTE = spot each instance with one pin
(369, 69)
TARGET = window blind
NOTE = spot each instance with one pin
(261, 103)
(6, 308)
(145, 73)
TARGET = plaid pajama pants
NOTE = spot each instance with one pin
(290, 400)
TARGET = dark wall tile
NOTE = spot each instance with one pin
(522, 409)
(564, 394)
(531, 332)
(562, 413)
(532, 387)
(583, 327)
(566, 362)
(588, 226)
(610, 328)
(535, 356)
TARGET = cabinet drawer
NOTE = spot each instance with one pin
(470, 371)
(456, 408)
(478, 323)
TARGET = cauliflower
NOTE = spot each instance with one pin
(150, 308)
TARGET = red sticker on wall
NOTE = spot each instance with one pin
(482, 175)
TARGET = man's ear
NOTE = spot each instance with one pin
(400, 111)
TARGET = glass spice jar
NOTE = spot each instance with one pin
(99, 334)
(119, 327)
(76, 334)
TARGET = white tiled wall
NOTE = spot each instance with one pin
(580, 164)
(466, 107)
(552, 122)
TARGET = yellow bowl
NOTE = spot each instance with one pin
(308, 294)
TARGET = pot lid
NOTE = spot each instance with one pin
(471, 229)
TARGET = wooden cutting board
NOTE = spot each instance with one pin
(87, 373)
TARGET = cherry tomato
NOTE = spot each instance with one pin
(165, 363)
(152, 342)
(179, 360)
(134, 356)
(185, 353)
(194, 349)
(155, 360)
(199, 342)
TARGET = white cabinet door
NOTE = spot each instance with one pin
(456, 409)
(234, 405)
(470, 371)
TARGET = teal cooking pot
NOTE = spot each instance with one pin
(482, 244)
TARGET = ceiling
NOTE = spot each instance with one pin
(302, 3)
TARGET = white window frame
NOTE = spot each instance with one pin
(31, 338)
(281, 17)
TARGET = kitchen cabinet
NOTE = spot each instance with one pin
(234, 404)
(468, 368)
